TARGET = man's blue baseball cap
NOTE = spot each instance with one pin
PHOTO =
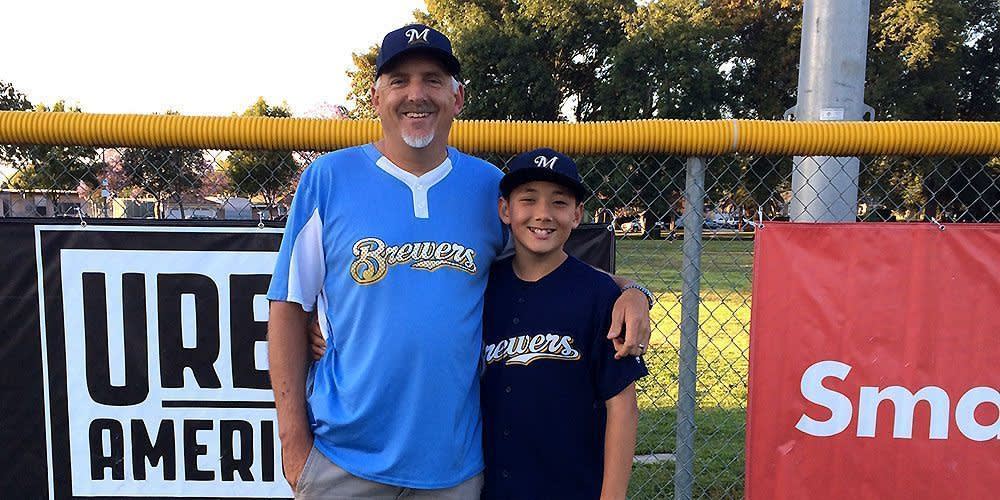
(543, 164)
(416, 38)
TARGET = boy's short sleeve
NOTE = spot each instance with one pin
(612, 375)
(300, 268)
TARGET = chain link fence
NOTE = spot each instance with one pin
(641, 198)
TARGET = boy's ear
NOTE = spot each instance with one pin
(503, 208)
(578, 215)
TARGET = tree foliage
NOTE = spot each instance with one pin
(667, 66)
(165, 174)
(269, 174)
(362, 77)
(55, 169)
(12, 99)
(162, 173)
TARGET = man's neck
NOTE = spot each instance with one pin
(417, 161)
(531, 268)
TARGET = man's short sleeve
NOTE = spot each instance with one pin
(300, 269)
(612, 375)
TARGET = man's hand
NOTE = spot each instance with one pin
(317, 344)
(631, 313)
(288, 355)
(294, 454)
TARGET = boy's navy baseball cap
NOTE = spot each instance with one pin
(414, 38)
(543, 164)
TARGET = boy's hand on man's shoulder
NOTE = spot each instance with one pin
(631, 314)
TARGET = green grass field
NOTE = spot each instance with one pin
(723, 341)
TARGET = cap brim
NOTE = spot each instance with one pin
(449, 61)
(523, 176)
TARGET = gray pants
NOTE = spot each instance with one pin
(322, 479)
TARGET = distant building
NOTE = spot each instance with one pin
(41, 203)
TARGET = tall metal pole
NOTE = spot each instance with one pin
(694, 217)
(831, 87)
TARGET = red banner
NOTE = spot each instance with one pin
(875, 362)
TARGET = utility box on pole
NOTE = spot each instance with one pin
(831, 88)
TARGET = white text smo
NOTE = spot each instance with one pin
(903, 403)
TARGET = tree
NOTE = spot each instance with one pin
(914, 59)
(165, 173)
(979, 77)
(12, 99)
(55, 169)
(506, 78)
(935, 60)
(580, 37)
(362, 79)
(269, 174)
(668, 65)
(760, 53)
(162, 173)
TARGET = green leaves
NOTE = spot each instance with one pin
(362, 79)
(12, 99)
(265, 174)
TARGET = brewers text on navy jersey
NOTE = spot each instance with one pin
(549, 369)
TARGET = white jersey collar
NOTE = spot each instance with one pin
(419, 186)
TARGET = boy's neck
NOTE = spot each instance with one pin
(530, 268)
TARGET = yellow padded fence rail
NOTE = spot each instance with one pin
(675, 137)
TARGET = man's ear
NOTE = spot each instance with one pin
(373, 92)
(503, 208)
(459, 98)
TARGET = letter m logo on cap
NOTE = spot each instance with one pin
(543, 162)
(413, 35)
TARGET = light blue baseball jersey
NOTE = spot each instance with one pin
(396, 266)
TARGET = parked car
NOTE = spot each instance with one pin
(709, 224)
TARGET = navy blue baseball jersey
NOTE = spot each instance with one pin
(549, 368)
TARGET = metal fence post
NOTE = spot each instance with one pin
(694, 217)
(831, 88)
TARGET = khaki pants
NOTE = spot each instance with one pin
(322, 479)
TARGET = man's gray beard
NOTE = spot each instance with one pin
(418, 142)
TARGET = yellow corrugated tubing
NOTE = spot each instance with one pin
(675, 137)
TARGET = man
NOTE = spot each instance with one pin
(391, 243)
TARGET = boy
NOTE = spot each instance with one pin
(559, 411)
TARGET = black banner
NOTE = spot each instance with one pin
(121, 373)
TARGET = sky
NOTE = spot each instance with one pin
(198, 57)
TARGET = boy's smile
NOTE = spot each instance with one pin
(541, 215)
